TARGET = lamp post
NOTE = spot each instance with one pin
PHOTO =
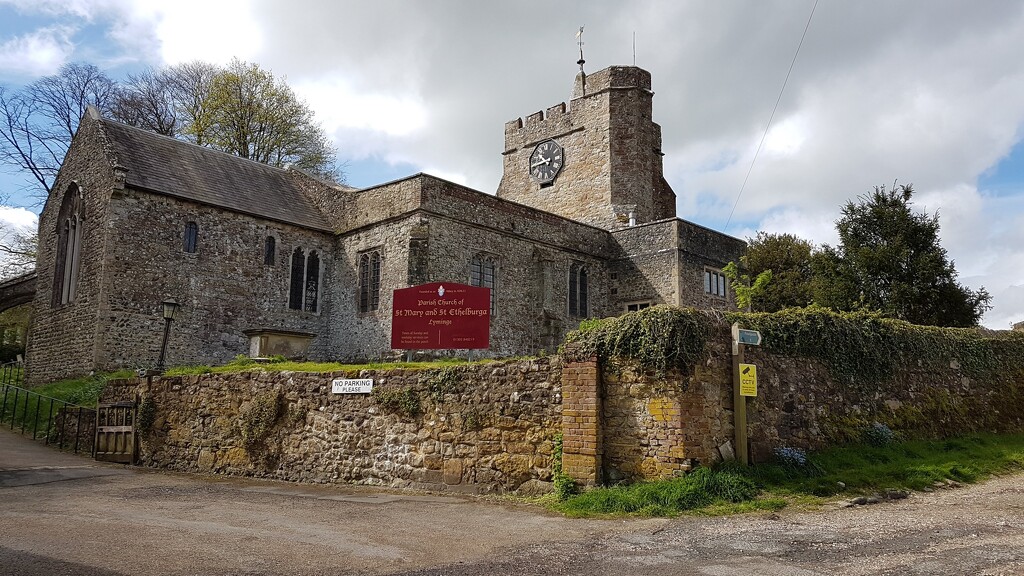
(170, 308)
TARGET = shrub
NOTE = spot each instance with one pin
(791, 457)
(402, 401)
(258, 420)
(147, 414)
(878, 434)
(565, 486)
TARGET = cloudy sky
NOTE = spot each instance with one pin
(927, 92)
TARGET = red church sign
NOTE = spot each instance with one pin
(441, 315)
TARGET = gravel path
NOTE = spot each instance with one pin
(62, 514)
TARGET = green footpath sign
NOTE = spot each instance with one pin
(749, 337)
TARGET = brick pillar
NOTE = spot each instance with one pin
(581, 422)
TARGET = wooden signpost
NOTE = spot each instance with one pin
(744, 383)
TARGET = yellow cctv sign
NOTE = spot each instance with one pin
(748, 380)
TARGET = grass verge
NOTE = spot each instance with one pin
(245, 364)
(36, 410)
(844, 470)
(913, 465)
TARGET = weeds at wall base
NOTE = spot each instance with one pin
(729, 488)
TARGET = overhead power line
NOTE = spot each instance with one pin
(770, 118)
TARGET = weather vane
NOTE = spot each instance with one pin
(579, 37)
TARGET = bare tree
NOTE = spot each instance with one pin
(38, 122)
(241, 109)
(17, 249)
(146, 100)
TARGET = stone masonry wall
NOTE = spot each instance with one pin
(491, 427)
(62, 336)
(479, 428)
(647, 268)
(655, 426)
(223, 288)
(658, 427)
(531, 293)
(664, 262)
(701, 248)
(800, 404)
(612, 155)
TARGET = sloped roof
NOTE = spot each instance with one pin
(172, 167)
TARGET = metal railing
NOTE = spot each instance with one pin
(11, 373)
(51, 419)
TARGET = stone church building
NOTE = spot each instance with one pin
(583, 225)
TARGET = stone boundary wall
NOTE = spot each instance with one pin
(481, 428)
(491, 428)
(656, 426)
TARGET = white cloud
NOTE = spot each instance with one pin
(78, 8)
(19, 219)
(36, 53)
(924, 91)
(14, 221)
(340, 106)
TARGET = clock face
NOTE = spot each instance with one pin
(546, 161)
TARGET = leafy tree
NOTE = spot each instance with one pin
(37, 122)
(190, 85)
(257, 116)
(746, 291)
(241, 109)
(774, 274)
(13, 330)
(889, 259)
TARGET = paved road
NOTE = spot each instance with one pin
(62, 514)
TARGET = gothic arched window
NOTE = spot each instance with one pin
(70, 220)
(298, 273)
(369, 281)
(579, 296)
(482, 273)
(304, 285)
(312, 282)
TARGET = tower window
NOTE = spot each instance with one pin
(714, 282)
(369, 281)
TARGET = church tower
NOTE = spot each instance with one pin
(599, 161)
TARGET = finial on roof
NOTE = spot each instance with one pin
(581, 62)
(579, 38)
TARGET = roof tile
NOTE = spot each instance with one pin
(168, 166)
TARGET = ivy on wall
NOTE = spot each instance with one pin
(858, 348)
(866, 349)
(659, 338)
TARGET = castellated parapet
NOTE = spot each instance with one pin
(612, 174)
